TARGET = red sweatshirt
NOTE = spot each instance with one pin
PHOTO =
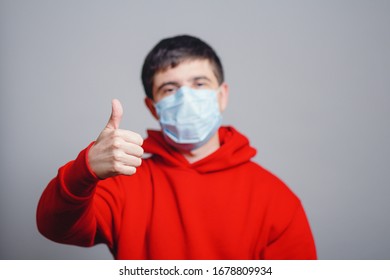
(222, 207)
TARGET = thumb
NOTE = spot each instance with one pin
(116, 115)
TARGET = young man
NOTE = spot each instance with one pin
(199, 196)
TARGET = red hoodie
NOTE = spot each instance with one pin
(222, 207)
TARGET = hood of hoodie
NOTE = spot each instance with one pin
(234, 150)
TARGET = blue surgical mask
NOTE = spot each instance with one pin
(190, 117)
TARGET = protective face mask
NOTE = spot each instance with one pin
(190, 117)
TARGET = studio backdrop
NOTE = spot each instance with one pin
(309, 85)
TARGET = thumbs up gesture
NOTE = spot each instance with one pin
(116, 151)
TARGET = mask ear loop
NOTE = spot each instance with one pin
(156, 108)
(218, 92)
(218, 89)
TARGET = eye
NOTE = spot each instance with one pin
(168, 90)
(200, 84)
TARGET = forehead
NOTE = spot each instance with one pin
(185, 71)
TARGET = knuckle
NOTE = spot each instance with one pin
(138, 162)
(116, 155)
(116, 133)
(130, 170)
(138, 151)
(116, 167)
(116, 143)
(138, 139)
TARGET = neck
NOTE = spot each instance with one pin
(210, 147)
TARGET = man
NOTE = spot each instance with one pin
(199, 196)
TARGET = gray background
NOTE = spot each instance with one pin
(309, 85)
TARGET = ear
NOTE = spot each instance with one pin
(223, 96)
(150, 104)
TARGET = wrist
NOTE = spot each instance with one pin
(79, 177)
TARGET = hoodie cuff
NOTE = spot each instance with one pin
(79, 178)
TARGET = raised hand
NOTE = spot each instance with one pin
(116, 151)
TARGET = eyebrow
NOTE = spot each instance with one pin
(200, 78)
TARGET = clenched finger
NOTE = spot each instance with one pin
(130, 136)
(133, 149)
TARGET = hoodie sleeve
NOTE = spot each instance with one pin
(294, 240)
(67, 211)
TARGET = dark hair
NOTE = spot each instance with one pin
(170, 52)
